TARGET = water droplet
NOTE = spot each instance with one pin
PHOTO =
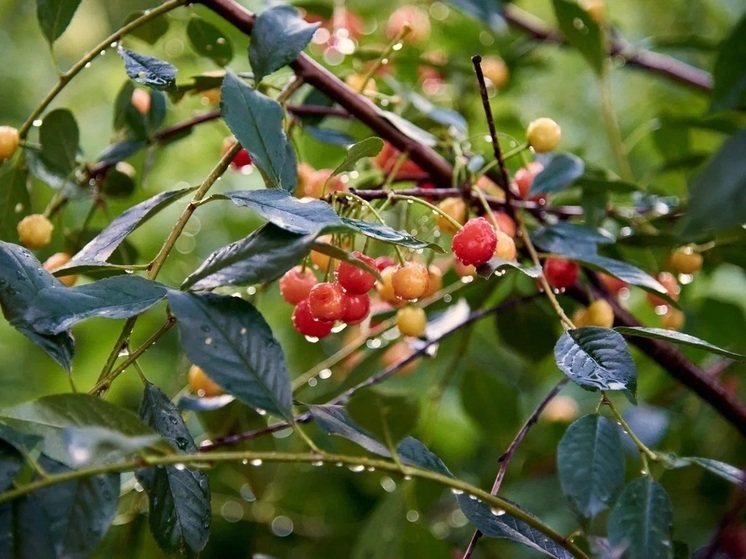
(356, 468)
(182, 443)
(311, 339)
(220, 40)
(407, 478)
(643, 472)
(88, 65)
(261, 411)
(371, 468)
(457, 491)
(317, 463)
(388, 484)
(180, 467)
(325, 374)
(282, 526)
(413, 515)
(208, 341)
(496, 511)
(243, 331)
(257, 462)
(312, 382)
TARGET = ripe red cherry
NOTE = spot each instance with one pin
(306, 324)
(242, 159)
(524, 177)
(356, 307)
(560, 273)
(326, 301)
(383, 262)
(296, 284)
(475, 243)
(354, 279)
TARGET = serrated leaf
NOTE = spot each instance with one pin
(369, 147)
(562, 171)
(334, 420)
(729, 80)
(147, 70)
(278, 37)
(50, 416)
(388, 417)
(56, 308)
(590, 464)
(54, 16)
(678, 338)
(15, 202)
(597, 359)
(717, 195)
(179, 497)
(256, 121)
(232, 343)
(208, 41)
(263, 256)
(387, 234)
(582, 32)
(640, 522)
(105, 243)
(285, 210)
(498, 524)
(59, 137)
(150, 31)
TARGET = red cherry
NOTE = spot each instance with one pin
(475, 243)
(356, 307)
(383, 262)
(524, 177)
(306, 324)
(326, 301)
(296, 284)
(354, 279)
(242, 159)
(560, 273)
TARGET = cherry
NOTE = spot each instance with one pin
(667, 280)
(613, 285)
(524, 178)
(436, 280)
(410, 281)
(673, 319)
(56, 261)
(242, 158)
(411, 321)
(506, 223)
(322, 182)
(414, 17)
(383, 262)
(398, 352)
(305, 172)
(388, 157)
(10, 139)
(454, 208)
(505, 248)
(385, 288)
(296, 284)
(356, 307)
(141, 101)
(475, 243)
(685, 261)
(306, 324)
(35, 231)
(495, 70)
(201, 384)
(326, 301)
(560, 273)
(354, 279)
(543, 134)
(599, 313)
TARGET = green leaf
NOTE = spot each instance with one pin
(445, 117)
(285, 210)
(179, 497)
(590, 464)
(50, 417)
(21, 277)
(640, 522)
(101, 247)
(594, 202)
(569, 238)
(149, 32)
(734, 475)
(582, 32)
(717, 195)
(386, 234)
(208, 41)
(678, 338)
(528, 329)
(263, 256)
(478, 390)
(56, 308)
(388, 417)
(409, 129)
(597, 359)
(117, 184)
(484, 11)
(562, 171)
(59, 137)
(500, 265)
(256, 121)
(330, 136)
(729, 87)
(54, 16)
(15, 202)
(335, 420)
(96, 446)
(278, 37)
(232, 343)
(369, 147)
(147, 70)
(386, 518)
(55, 179)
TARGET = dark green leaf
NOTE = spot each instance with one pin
(56, 309)
(59, 347)
(562, 171)
(264, 255)
(53, 178)
(149, 32)
(278, 37)
(597, 359)
(385, 519)
(528, 329)
(729, 89)
(25, 531)
(446, 117)
(179, 497)
(369, 147)
(256, 121)
(478, 391)
(386, 234)
(500, 265)
(717, 196)
(734, 475)
(54, 16)
(388, 417)
(410, 129)
(59, 137)
(120, 151)
(330, 136)
(11, 461)
(678, 338)
(147, 70)
(117, 183)
(285, 210)
(334, 420)
(607, 185)
(127, 118)
(640, 522)
(498, 524)
(582, 32)
(204, 403)
(569, 238)
(233, 344)
(590, 464)
(14, 199)
(50, 417)
(484, 11)
(209, 41)
(594, 203)
(106, 242)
